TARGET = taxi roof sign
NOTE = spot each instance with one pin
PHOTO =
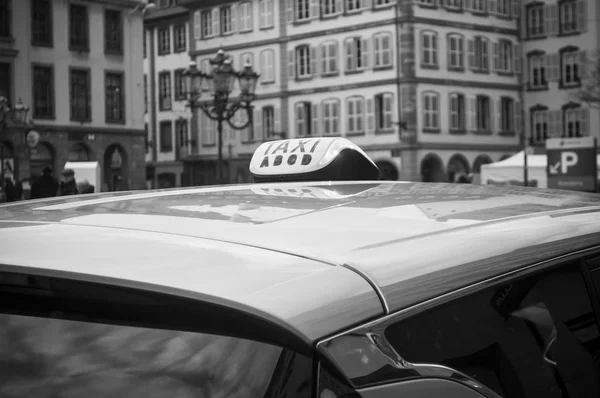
(312, 159)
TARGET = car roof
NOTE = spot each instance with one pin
(317, 257)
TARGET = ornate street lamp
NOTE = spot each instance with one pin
(16, 115)
(220, 82)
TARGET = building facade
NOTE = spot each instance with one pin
(76, 64)
(561, 40)
(167, 117)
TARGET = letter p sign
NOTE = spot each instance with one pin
(567, 159)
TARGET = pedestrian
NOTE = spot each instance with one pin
(67, 185)
(9, 190)
(45, 186)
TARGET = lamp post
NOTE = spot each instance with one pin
(15, 115)
(220, 82)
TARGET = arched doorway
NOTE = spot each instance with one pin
(388, 170)
(41, 156)
(166, 180)
(7, 165)
(115, 168)
(79, 152)
(432, 169)
(479, 161)
(458, 166)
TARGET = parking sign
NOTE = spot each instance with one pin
(572, 163)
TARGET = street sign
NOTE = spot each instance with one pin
(572, 163)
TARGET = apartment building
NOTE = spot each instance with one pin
(461, 94)
(76, 65)
(167, 117)
(561, 40)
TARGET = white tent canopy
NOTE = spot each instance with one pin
(510, 171)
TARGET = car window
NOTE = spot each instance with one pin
(53, 346)
(531, 337)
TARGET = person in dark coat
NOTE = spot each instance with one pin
(9, 190)
(67, 186)
(45, 186)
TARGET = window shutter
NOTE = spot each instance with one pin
(197, 27)
(558, 123)
(517, 58)
(551, 19)
(523, 20)
(234, 19)
(336, 56)
(584, 121)
(365, 53)
(339, 6)
(496, 56)
(493, 117)
(370, 115)
(314, 9)
(215, 21)
(516, 8)
(498, 126)
(324, 51)
(492, 7)
(291, 64)
(583, 65)
(276, 121)
(251, 16)
(582, 16)
(314, 61)
(389, 104)
(518, 117)
(258, 133)
(349, 58)
(316, 118)
(549, 116)
(552, 72)
(471, 113)
(471, 53)
(290, 11)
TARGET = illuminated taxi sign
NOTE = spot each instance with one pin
(311, 159)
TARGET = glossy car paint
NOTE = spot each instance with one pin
(413, 240)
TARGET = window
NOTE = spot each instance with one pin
(356, 115)
(226, 22)
(524, 337)
(181, 132)
(329, 8)
(431, 111)
(267, 66)
(478, 5)
(180, 88)
(208, 130)
(354, 5)
(573, 121)
(453, 4)
(539, 125)
(535, 20)
(302, 10)
(503, 7)
(115, 105)
(5, 19)
(457, 112)
(568, 16)
(81, 108)
(331, 116)
(166, 136)
(507, 115)
(503, 58)
(303, 61)
(41, 23)
(479, 54)
(483, 113)
(357, 54)
(384, 109)
(43, 92)
(164, 91)
(113, 31)
(429, 49)
(180, 36)
(570, 61)
(268, 121)
(207, 24)
(266, 14)
(329, 58)
(5, 81)
(78, 27)
(303, 119)
(164, 41)
(382, 49)
(145, 93)
(380, 3)
(537, 71)
(197, 25)
(456, 52)
(245, 16)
